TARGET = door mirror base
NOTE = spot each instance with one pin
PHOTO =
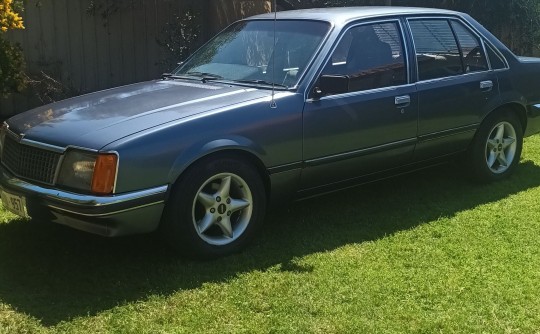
(330, 84)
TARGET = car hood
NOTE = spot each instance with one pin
(94, 120)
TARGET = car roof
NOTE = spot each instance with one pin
(346, 14)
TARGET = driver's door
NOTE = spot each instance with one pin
(372, 126)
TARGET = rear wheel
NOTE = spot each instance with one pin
(496, 149)
(215, 208)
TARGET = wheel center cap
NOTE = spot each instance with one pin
(222, 208)
(500, 147)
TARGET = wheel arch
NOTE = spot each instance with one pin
(221, 148)
(514, 107)
(517, 108)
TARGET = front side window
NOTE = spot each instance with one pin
(371, 56)
(437, 52)
(259, 52)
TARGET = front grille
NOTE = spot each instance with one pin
(30, 162)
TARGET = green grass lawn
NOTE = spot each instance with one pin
(429, 252)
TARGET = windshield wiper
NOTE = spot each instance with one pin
(262, 82)
(205, 76)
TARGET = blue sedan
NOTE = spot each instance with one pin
(273, 109)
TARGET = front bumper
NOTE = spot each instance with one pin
(129, 213)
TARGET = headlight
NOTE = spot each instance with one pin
(88, 171)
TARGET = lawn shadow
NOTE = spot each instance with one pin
(54, 273)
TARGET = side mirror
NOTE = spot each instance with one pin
(330, 84)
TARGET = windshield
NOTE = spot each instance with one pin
(245, 52)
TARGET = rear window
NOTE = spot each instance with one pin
(472, 50)
(437, 51)
(446, 48)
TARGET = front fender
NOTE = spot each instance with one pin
(158, 156)
(201, 150)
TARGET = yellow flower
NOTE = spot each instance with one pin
(9, 19)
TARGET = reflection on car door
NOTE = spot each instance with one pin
(371, 127)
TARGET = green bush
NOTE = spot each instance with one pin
(12, 78)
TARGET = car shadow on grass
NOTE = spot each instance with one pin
(54, 274)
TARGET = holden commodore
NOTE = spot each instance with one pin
(273, 108)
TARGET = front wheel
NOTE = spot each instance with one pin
(497, 146)
(215, 208)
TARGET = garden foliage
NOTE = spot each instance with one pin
(11, 56)
(516, 22)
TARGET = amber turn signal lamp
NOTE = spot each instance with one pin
(104, 174)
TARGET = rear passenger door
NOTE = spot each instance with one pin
(455, 85)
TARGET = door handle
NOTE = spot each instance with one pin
(403, 101)
(486, 85)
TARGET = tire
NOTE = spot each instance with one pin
(215, 208)
(496, 148)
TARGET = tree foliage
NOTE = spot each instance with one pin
(12, 78)
(9, 19)
(11, 56)
(516, 22)
(179, 36)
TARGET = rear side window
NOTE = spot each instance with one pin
(371, 55)
(474, 58)
(437, 51)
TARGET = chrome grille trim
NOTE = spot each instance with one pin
(43, 146)
(30, 162)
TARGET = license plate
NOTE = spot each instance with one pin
(15, 204)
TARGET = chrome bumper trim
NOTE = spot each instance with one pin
(84, 205)
(108, 213)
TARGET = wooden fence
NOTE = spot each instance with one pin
(89, 47)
